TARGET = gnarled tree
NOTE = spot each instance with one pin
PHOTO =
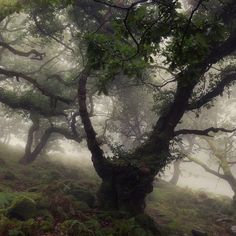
(130, 39)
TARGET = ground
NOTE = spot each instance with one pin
(52, 199)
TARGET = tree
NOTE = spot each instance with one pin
(223, 155)
(128, 39)
(220, 149)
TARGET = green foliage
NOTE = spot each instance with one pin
(162, 101)
(8, 7)
(191, 43)
(74, 227)
(130, 49)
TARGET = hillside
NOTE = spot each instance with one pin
(53, 199)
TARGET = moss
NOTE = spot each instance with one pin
(83, 195)
(5, 199)
(15, 232)
(22, 208)
(46, 226)
(75, 228)
(81, 205)
(147, 223)
(8, 175)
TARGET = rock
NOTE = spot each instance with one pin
(233, 230)
(22, 208)
(198, 233)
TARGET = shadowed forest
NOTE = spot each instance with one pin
(117, 117)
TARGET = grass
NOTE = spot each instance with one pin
(180, 210)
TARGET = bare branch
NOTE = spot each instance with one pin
(203, 132)
(231, 162)
(206, 168)
(35, 55)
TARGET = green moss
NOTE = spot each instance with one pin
(82, 195)
(22, 208)
(46, 226)
(5, 199)
(8, 175)
(15, 232)
(75, 228)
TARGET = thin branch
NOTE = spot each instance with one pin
(32, 81)
(189, 22)
(206, 168)
(231, 162)
(203, 132)
(40, 28)
(35, 55)
(126, 8)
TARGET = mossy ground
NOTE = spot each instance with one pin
(51, 199)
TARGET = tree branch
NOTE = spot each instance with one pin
(32, 155)
(227, 80)
(32, 81)
(102, 166)
(26, 104)
(35, 55)
(206, 168)
(203, 132)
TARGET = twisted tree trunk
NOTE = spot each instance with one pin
(125, 186)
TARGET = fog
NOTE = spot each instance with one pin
(192, 176)
(117, 117)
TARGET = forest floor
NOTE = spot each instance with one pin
(53, 199)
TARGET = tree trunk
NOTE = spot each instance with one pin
(126, 189)
(30, 155)
(175, 178)
(34, 127)
(232, 182)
